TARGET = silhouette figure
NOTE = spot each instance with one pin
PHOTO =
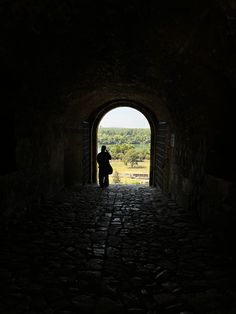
(104, 167)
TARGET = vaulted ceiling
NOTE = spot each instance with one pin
(182, 50)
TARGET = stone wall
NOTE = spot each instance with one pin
(187, 168)
(39, 169)
(162, 158)
(210, 196)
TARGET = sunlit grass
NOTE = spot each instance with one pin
(125, 172)
(120, 167)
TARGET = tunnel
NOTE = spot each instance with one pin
(64, 65)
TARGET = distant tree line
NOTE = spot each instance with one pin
(108, 136)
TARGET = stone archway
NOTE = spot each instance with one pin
(81, 135)
(94, 122)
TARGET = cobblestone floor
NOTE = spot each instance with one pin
(124, 249)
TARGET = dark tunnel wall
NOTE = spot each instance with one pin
(60, 55)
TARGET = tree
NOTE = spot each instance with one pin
(118, 151)
(131, 157)
(144, 154)
(116, 177)
(123, 136)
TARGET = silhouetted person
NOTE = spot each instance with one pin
(104, 166)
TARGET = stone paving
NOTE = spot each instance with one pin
(124, 249)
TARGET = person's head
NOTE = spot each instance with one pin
(103, 148)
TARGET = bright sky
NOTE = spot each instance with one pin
(124, 117)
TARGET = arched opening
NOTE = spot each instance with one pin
(95, 121)
(126, 133)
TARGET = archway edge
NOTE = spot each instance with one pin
(101, 111)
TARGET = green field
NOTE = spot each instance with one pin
(127, 174)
